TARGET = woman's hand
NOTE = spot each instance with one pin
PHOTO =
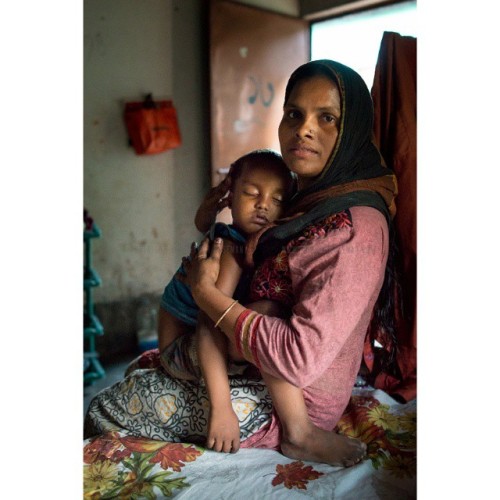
(203, 266)
(202, 274)
(214, 201)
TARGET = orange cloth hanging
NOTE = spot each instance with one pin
(152, 126)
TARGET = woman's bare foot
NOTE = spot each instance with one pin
(223, 430)
(317, 445)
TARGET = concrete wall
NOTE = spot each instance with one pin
(144, 205)
(128, 52)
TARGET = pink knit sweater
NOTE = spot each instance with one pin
(336, 278)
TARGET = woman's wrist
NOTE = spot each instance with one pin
(216, 305)
(202, 290)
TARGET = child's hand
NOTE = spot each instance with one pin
(215, 200)
(223, 430)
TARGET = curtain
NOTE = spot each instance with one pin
(395, 106)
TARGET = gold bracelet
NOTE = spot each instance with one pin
(225, 312)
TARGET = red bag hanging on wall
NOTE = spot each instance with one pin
(152, 126)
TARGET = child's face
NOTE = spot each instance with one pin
(257, 198)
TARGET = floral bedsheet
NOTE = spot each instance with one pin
(126, 467)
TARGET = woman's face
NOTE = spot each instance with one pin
(310, 126)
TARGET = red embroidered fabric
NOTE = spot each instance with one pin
(271, 279)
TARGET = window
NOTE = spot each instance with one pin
(354, 39)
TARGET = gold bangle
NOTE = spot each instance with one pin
(224, 313)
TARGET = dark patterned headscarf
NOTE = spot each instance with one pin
(354, 175)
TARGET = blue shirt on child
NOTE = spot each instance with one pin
(177, 298)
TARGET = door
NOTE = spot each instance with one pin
(252, 54)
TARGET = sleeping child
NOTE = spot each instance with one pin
(261, 184)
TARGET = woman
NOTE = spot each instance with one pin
(328, 257)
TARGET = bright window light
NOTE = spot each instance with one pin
(354, 39)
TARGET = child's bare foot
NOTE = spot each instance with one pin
(223, 430)
(317, 445)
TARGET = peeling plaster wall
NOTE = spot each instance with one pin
(144, 205)
(127, 53)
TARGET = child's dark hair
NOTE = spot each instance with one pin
(271, 160)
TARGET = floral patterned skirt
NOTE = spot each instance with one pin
(151, 404)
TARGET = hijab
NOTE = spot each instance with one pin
(354, 175)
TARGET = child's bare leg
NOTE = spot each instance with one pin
(170, 328)
(301, 438)
(223, 424)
